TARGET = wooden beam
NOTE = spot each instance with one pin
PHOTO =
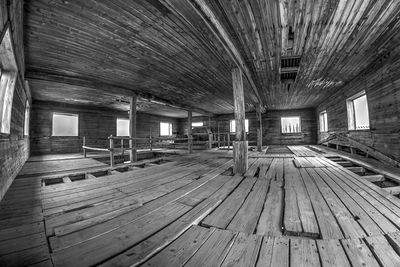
(132, 129)
(240, 145)
(259, 128)
(373, 178)
(394, 190)
(108, 88)
(190, 131)
(206, 13)
(350, 142)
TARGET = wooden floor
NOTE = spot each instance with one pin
(293, 207)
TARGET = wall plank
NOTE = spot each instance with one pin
(96, 124)
(271, 131)
(381, 83)
(14, 147)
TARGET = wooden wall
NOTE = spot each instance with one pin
(271, 126)
(382, 85)
(14, 147)
(96, 124)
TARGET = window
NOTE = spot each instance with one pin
(233, 126)
(323, 121)
(122, 127)
(197, 124)
(27, 115)
(65, 124)
(165, 129)
(290, 125)
(8, 73)
(357, 112)
(7, 86)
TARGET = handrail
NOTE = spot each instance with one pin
(213, 138)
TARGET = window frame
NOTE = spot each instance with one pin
(300, 126)
(116, 126)
(170, 128)
(68, 114)
(351, 114)
(323, 124)
(233, 131)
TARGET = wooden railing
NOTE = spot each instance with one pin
(118, 145)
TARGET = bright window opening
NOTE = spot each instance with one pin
(233, 126)
(323, 122)
(122, 127)
(27, 115)
(290, 125)
(65, 124)
(7, 86)
(197, 124)
(8, 73)
(165, 129)
(357, 112)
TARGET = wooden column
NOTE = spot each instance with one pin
(111, 151)
(132, 129)
(84, 149)
(190, 131)
(240, 145)
(218, 136)
(259, 128)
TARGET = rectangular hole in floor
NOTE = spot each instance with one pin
(52, 181)
(77, 177)
(99, 173)
(123, 169)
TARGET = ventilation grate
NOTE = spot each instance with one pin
(290, 62)
(289, 76)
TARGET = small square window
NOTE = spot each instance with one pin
(357, 112)
(65, 124)
(165, 129)
(290, 125)
(323, 121)
(197, 124)
(122, 127)
(233, 126)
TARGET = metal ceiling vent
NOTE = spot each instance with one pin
(289, 67)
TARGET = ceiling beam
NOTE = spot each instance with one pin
(210, 19)
(117, 90)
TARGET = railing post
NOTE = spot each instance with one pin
(84, 149)
(218, 135)
(150, 141)
(190, 138)
(111, 151)
(229, 141)
(122, 149)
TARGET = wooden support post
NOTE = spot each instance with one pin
(132, 130)
(210, 140)
(229, 141)
(218, 136)
(84, 149)
(111, 150)
(240, 145)
(122, 149)
(259, 128)
(190, 131)
(150, 141)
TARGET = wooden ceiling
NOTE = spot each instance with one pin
(181, 52)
